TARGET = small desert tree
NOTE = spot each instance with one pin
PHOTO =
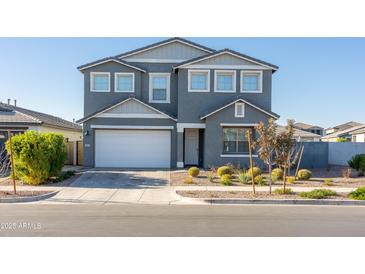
(266, 143)
(283, 149)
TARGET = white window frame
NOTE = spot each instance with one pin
(236, 108)
(260, 81)
(150, 97)
(216, 72)
(123, 74)
(190, 72)
(92, 74)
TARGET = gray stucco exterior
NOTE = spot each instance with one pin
(187, 107)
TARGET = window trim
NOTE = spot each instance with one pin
(243, 110)
(260, 82)
(216, 72)
(223, 154)
(190, 71)
(92, 74)
(150, 93)
(116, 81)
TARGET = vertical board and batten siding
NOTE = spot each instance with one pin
(225, 59)
(131, 107)
(341, 153)
(170, 51)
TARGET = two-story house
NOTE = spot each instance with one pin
(173, 104)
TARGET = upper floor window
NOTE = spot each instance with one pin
(251, 81)
(225, 81)
(124, 82)
(159, 88)
(198, 81)
(100, 81)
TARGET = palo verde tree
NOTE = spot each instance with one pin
(266, 143)
(284, 146)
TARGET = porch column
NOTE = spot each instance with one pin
(180, 147)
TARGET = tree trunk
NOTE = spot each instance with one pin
(251, 164)
(284, 179)
(270, 180)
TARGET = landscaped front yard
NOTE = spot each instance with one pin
(321, 177)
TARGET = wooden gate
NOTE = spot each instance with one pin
(79, 153)
(70, 153)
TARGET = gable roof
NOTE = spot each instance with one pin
(231, 102)
(299, 133)
(358, 131)
(110, 106)
(23, 115)
(162, 43)
(340, 133)
(109, 59)
(306, 126)
(9, 116)
(345, 125)
(230, 52)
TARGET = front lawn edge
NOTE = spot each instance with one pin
(29, 199)
(235, 201)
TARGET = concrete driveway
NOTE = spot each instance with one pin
(113, 186)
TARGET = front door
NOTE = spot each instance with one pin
(191, 146)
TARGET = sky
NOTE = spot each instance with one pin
(320, 81)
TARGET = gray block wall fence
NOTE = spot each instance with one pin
(340, 153)
(323, 154)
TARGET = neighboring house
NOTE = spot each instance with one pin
(18, 120)
(309, 128)
(345, 133)
(173, 104)
(358, 136)
(301, 135)
(342, 127)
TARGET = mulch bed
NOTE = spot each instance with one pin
(248, 195)
(10, 194)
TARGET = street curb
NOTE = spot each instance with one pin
(224, 201)
(29, 199)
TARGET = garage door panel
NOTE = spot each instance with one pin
(132, 148)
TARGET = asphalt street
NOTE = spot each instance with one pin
(180, 220)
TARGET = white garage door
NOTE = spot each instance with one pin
(132, 148)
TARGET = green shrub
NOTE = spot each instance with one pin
(193, 171)
(255, 171)
(38, 156)
(224, 170)
(318, 194)
(243, 177)
(358, 194)
(276, 174)
(362, 166)
(290, 179)
(304, 174)
(342, 140)
(226, 179)
(280, 191)
(259, 180)
(355, 161)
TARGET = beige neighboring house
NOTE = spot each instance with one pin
(358, 136)
(301, 135)
(346, 133)
(19, 119)
(342, 127)
(310, 128)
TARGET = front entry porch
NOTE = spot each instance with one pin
(190, 150)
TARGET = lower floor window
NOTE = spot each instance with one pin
(235, 140)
